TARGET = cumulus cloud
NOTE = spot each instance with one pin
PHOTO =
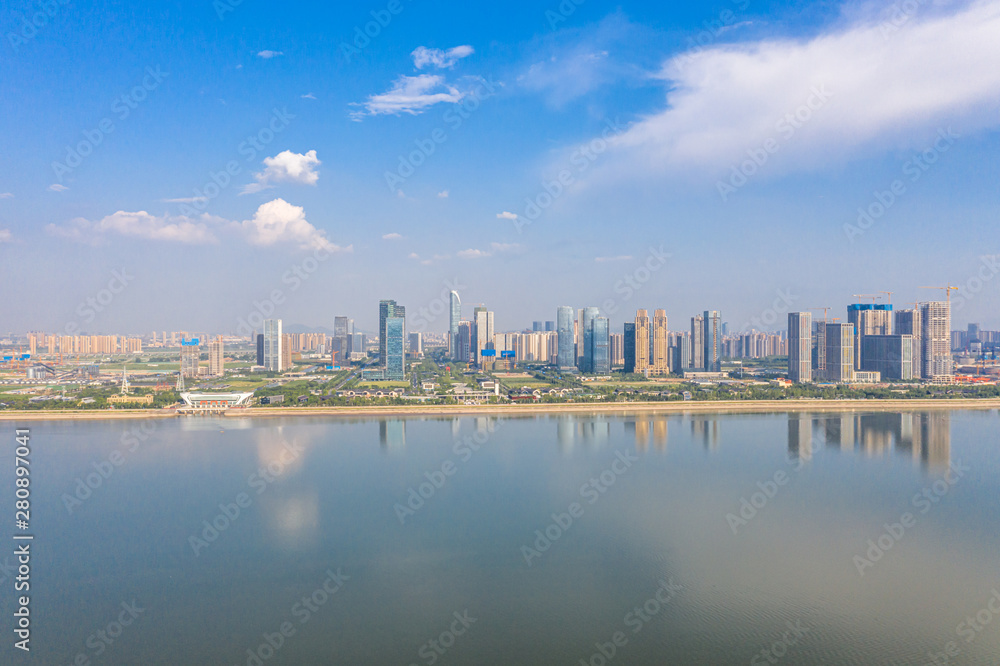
(287, 167)
(267, 55)
(412, 95)
(6, 195)
(423, 56)
(443, 194)
(308, 96)
(506, 216)
(495, 248)
(473, 254)
(56, 187)
(392, 236)
(280, 222)
(140, 224)
(5, 235)
(875, 85)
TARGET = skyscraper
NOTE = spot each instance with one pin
(394, 360)
(819, 349)
(564, 321)
(463, 351)
(190, 355)
(840, 352)
(935, 323)
(600, 352)
(273, 342)
(343, 338)
(800, 346)
(628, 346)
(260, 349)
(386, 309)
(868, 319)
(454, 318)
(660, 365)
(216, 353)
(642, 331)
(587, 359)
(712, 339)
(907, 322)
(697, 342)
(482, 332)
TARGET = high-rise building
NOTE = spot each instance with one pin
(800, 346)
(567, 352)
(907, 322)
(482, 332)
(216, 352)
(660, 362)
(395, 355)
(454, 318)
(386, 309)
(537, 326)
(840, 352)
(697, 342)
(260, 349)
(416, 344)
(628, 346)
(550, 326)
(190, 355)
(935, 324)
(712, 339)
(819, 349)
(868, 319)
(343, 337)
(681, 352)
(642, 331)
(890, 355)
(973, 334)
(617, 350)
(463, 351)
(600, 352)
(287, 348)
(587, 359)
(273, 341)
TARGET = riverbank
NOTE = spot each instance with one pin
(618, 408)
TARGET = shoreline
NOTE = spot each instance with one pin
(621, 409)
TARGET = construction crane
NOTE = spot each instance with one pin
(889, 294)
(947, 290)
(825, 309)
(871, 296)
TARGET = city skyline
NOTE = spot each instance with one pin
(302, 166)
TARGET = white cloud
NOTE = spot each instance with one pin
(5, 235)
(473, 254)
(443, 194)
(56, 187)
(621, 257)
(413, 255)
(423, 56)
(6, 195)
(140, 224)
(280, 222)
(286, 167)
(412, 95)
(267, 55)
(888, 87)
(392, 236)
(506, 216)
(308, 96)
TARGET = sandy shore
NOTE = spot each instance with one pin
(705, 407)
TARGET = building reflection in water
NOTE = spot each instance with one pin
(707, 430)
(923, 436)
(392, 434)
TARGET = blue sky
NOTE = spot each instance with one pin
(715, 156)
